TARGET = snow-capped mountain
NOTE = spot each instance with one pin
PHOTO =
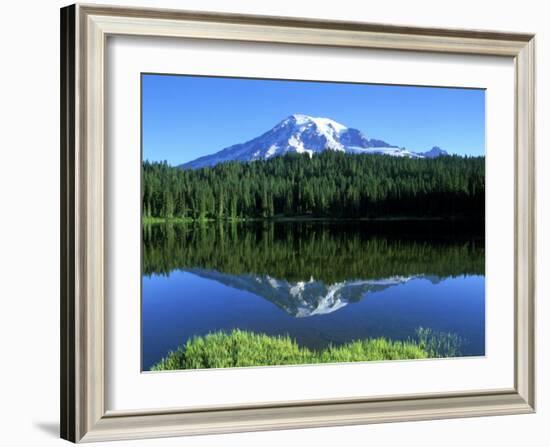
(306, 134)
(302, 299)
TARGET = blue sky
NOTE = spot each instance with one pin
(185, 117)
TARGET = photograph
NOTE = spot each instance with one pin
(290, 222)
(278, 221)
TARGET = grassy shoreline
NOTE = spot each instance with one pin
(188, 220)
(244, 349)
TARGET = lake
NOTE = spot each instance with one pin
(321, 283)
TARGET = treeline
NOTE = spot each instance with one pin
(326, 252)
(330, 185)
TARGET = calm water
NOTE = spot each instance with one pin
(321, 283)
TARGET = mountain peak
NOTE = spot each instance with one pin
(320, 122)
(303, 298)
(434, 152)
(305, 134)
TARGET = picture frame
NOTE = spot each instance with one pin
(84, 415)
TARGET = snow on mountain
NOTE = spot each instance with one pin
(303, 298)
(306, 134)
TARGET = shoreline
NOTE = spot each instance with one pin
(180, 220)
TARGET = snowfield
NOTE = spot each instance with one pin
(304, 134)
(303, 299)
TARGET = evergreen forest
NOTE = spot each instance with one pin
(329, 185)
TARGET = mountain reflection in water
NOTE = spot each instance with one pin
(350, 279)
(304, 298)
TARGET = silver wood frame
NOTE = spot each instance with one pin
(84, 31)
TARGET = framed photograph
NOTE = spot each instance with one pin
(277, 223)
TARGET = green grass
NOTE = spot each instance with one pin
(241, 348)
(149, 220)
(172, 220)
(439, 344)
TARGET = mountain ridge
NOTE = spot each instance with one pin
(302, 299)
(300, 133)
(307, 298)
